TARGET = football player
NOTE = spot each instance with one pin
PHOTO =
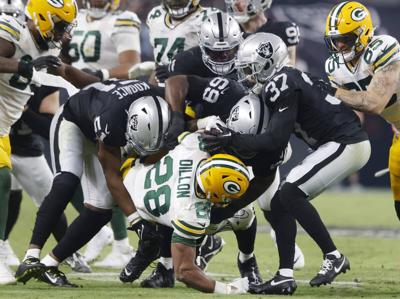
(86, 137)
(106, 43)
(21, 45)
(340, 147)
(365, 68)
(253, 17)
(178, 191)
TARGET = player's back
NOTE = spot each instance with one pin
(168, 37)
(93, 43)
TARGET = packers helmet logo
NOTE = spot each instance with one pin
(232, 187)
(358, 14)
(235, 114)
(56, 3)
(265, 50)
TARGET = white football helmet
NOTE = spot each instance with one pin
(219, 40)
(99, 11)
(250, 115)
(259, 57)
(244, 10)
(148, 120)
(13, 8)
(178, 9)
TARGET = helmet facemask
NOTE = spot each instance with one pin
(178, 9)
(220, 62)
(60, 34)
(101, 9)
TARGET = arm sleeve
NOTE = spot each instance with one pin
(126, 32)
(281, 125)
(38, 122)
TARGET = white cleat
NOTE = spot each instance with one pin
(298, 261)
(6, 276)
(103, 238)
(119, 256)
(11, 258)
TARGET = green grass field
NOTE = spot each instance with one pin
(375, 261)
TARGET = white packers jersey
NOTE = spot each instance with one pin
(165, 192)
(382, 50)
(168, 37)
(95, 44)
(15, 90)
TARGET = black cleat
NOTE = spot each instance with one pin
(55, 277)
(331, 267)
(77, 263)
(210, 247)
(250, 270)
(29, 268)
(278, 285)
(160, 278)
(148, 251)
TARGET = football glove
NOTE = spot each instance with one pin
(26, 65)
(175, 129)
(210, 122)
(141, 69)
(325, 86)
(216, 139)
(162, 73)
(145, 230)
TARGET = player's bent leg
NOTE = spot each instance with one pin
(394, 168)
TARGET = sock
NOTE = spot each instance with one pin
(54, 204)
(397, 208)
(285, 229)
(60, 228)
(118, 224)
(5, 187)
(165, 244)
(336, 253)
(14, 206)
(246, 238)
(286, 272)
(243, 257)
(32, 252)
(295, 201)
(49, 261)
(121, 243)
(77, 199)
(80, 232)
(166, 262)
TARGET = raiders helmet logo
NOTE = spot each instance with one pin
(231, 187)
(265, 50)
(56, 3)
(134, 122)
(358, 14)
(235, 114)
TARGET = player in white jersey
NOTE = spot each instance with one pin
(20, 46)
(105, 41)
(365, 68)
(179, 191)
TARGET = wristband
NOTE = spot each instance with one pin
(25, 69)
(105, 74)
(133, 218)
(221, 288)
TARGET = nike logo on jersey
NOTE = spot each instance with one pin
(337, 269)
(282, 109)
(275, 283)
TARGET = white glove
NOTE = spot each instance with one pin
(141, 69)
(236, 287)
(210, 122)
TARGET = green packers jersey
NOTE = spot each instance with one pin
(381, 51)
(165, 192)
(168, 37)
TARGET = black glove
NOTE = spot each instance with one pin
(325, 86)
(175, 129)
(26, 65)
(162, 73)
(145, 230)
(215, 140)
(95, 73)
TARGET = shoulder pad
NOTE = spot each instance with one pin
(155, 13)
(332, 64)
(382, 50)
(10, 28)
(127, 19)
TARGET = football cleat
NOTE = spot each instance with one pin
(159, 278)
(148, 251)
(55, 277)
(77, 263)
(118, 257)
(330, 268)
(103, 238)
(11, 258)
(210, 247)
(29, 268)
(250, 270)
(278, 285)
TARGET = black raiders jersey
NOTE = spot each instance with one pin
(287, 31)
(298, 106)
(100, 110)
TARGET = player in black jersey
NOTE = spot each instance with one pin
(86, 136)
(330, 128)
